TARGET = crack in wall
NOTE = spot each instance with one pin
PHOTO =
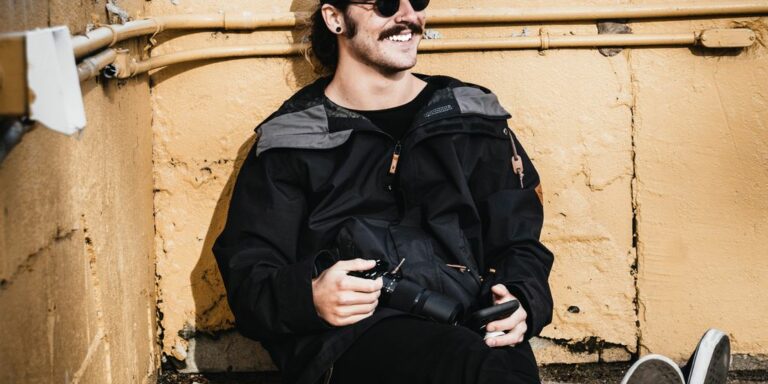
(90, 253)
(29, 262)
(634, 268)
(156, 192)
(215, 303)
(98, 339)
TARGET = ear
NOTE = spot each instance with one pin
(333, 17)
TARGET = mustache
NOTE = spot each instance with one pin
(395, 30)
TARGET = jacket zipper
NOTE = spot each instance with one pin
(391, 172)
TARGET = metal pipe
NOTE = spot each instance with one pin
(599, 12)
(285, 49)
(547, 42)
(109, 35)
(91, 66)
(543, 41)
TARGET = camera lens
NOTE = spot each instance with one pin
(409, 297)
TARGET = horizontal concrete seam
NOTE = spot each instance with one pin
(589, 345)
(31, 259)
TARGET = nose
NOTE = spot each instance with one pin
(406, 13)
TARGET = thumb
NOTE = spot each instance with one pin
(355, 265)
(500, 293)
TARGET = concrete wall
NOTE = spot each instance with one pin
(653, 163)
(701, 135)
(77, 302)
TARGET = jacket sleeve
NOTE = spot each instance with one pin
(512, 219)
(268, 284)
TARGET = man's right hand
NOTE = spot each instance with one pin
(341, 299)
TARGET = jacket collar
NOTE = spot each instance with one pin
(310, 120)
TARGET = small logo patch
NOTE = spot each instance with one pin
(444, 108)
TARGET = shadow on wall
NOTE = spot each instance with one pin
(213, 343)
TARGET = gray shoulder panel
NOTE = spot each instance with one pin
(473, 100)
(307, 129)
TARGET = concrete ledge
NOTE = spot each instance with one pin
(228, 351)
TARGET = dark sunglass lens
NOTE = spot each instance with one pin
(419, 5)
(387, 8)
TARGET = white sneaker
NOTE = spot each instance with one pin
(654, 369)
(711, 359)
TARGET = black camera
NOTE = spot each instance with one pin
(408, 297)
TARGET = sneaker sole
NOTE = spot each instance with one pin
(654, 369)
(711, 359)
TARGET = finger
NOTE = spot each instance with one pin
(352, 319)
(507, 323)
(354, 265)
(357, 284)
(354, 310)
(512, 338)
(352, 297)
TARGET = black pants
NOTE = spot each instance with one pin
(404, 350)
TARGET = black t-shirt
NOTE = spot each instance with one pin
(395, 121)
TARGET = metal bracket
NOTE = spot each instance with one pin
(727, 38)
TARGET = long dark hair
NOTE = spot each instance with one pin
(324, 43)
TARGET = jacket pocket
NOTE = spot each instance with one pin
(365, 238)
(426, 266)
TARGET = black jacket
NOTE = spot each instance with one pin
(317, 188)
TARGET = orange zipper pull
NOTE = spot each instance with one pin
(461, 268)
(395, 157)
(516, 160)
(517, 167)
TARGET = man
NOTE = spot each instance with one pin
(378, 163)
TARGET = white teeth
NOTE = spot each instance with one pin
(406, 37)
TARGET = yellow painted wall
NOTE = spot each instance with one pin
(77, 302)
(679, 133)
(701, 131)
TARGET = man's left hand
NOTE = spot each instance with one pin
(514, 325)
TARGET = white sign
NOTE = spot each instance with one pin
(55, 98)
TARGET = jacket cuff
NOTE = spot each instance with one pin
(296, 306)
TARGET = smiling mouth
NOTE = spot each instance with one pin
(408, 36)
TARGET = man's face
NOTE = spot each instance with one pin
(387, 44)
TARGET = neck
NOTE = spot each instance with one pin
(365, 88)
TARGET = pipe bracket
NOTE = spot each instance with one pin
(544, 38)
(727, 38)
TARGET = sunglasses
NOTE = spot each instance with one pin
(387, 8)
